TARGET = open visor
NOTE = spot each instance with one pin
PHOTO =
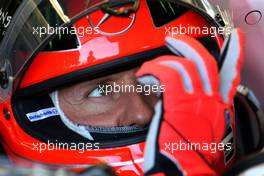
(21, 43)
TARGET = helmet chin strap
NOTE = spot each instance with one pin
(81, 130)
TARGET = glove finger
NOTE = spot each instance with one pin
(230, 72)
(185, 68)
(193, 50)
(177, 74)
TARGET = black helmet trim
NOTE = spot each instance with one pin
(53, 129)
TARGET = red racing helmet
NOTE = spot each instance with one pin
(51, 44)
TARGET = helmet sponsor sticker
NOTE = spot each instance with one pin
(42, 114)
(5, 18)
(7, 10)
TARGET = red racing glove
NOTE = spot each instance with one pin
(194, 106)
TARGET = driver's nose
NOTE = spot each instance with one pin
(138, 110)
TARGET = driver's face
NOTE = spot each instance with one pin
(84, 103)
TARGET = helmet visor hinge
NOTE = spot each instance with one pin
(3, 79)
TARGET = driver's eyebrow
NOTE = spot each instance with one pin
(109, 78)
(105, 80)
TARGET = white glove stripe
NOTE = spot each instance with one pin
(187, 82)
(182, 48)
(152, 137)
(229, 69)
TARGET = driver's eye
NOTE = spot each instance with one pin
(97, 92)
(100, 91)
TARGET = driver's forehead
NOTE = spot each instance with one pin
(128, 76)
